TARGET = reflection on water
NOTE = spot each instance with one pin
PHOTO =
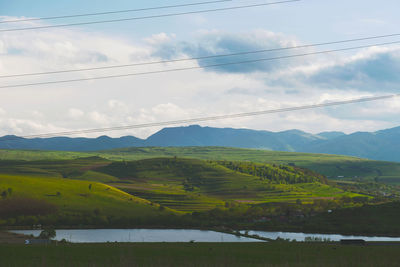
(140, 235)
(183, 235)
(332, 237)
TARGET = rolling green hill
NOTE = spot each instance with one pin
(184, 184)
(332, 166)
(197, 178)
(94, 191)
(53, 168)
(69, 201)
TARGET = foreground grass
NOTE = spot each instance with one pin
(200, 254)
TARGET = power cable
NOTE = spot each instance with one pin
(115, 12)
(211, 118)
(199, 58)
(147, 17)
(193, 68)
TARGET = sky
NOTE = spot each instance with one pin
(201, 92)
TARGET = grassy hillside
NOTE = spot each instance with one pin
(54, 168)
(278, 173)
(10, 154)
(71, 198)
(96, 191)
(333, 166)
(183, 184)
(189, 184)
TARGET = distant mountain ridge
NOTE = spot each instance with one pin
(380, 145)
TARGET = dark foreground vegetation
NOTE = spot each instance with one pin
(200, 254)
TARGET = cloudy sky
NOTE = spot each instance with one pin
(200, 92)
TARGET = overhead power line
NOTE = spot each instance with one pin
(210, 118)
(115, 12)
(199, 58)
(147, 17)
(194, 68)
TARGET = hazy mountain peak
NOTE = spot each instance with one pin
(331, 135)
(380, 145)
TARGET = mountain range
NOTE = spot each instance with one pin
(380, 145)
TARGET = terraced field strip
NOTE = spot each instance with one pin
(181, 201)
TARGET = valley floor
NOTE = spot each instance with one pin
(199, 254)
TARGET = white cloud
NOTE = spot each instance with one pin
(118, 106)
(209, 43)
(75, 113)
(3, 49)
(173, 95)
(100, 118)
(159, 38)
(25, 127)
(37, 115)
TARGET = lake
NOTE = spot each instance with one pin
(140, 235)
(182, 235)
(332, 237)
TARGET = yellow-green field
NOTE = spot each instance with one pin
(76, 197)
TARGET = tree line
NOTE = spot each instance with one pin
(281, 174)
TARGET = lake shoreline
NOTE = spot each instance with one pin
(194, 235)
(217, 229)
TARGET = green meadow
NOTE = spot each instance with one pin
(184, 185)
(73, 195)
(332, 166)
(34, 199)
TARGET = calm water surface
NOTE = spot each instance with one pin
(171, 235)
(332, 237)
(140, 235)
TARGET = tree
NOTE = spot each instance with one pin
(96, 211)
(4, 194)
(90, 186)
(9, 190)
(47, 233)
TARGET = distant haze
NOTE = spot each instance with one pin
(380, 145)
(201, 92)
